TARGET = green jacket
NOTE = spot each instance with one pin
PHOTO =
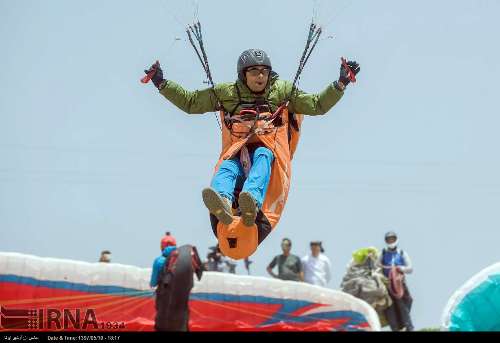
(202, 101)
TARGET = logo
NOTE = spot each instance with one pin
(259, 54)
(50, 319)
(19, 318)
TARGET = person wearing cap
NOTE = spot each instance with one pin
(316, 266)
(173, 279)
(105, 256)
(398, 314)
(167, 245)
(289, 265)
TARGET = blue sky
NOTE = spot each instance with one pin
(93, 160)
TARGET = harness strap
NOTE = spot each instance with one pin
(245, 160)
(172, 260)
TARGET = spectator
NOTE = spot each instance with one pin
(167, 245)
(214, 260)
(316, 266)
(396, 263)
(173, 278)
(289, 266)
(217, 262)
(247, 263)
(105, 256)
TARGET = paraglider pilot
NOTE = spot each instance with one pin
(257, 86)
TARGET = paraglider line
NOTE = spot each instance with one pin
(312, 37)
(175, 17)
(335, 16)
(200, 51)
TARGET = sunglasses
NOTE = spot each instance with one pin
(257, 71)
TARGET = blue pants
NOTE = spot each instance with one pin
(231, 175)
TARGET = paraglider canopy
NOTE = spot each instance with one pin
(476, 305)
(217, 302)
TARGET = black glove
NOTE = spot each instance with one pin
(344, 72)
(157, 77)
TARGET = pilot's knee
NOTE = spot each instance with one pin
(263, 151)
(231, 166)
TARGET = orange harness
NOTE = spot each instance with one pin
(279, 133)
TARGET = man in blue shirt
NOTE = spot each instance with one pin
(173, 278)
(167, 245)
(398, 314)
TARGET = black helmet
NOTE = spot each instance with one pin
(250, 58)
(390, 234)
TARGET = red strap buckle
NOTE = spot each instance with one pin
(251, 112)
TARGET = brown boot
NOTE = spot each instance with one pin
(218, 205)
(248, 208)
